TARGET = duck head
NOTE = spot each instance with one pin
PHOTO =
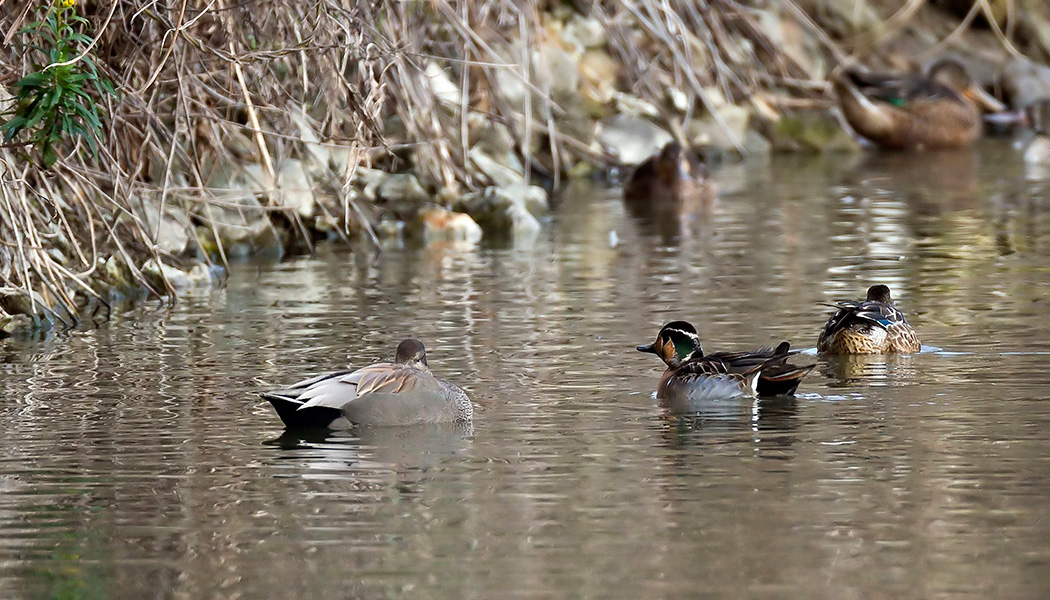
(676, 343)
(879, 293)
(412, 353)
(952, 73)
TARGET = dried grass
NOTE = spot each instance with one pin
(217, 83)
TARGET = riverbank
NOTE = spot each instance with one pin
(238, 131)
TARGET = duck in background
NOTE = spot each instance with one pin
(869, 326)
(669, 190)
(675, 174)
(694, 376)
(403, 392)
(938, 110)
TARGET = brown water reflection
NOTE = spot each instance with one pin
(137, 461)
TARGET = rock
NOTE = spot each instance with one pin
(1024, 81)
(492, 137)
(199, 276)
(812, 131)
(494, 152)
(532, 197)
(171, 230)
(598, 75)
(846, 19)
(557, 68)
(402, 187)
(10, 324)
(632, 139)
(295, 188)
(506, 211)
(401, 193)
(441, 224)
(441, 84)
(725, 135)
(787, 35)
(584, 31)
(116, 273)
(318, 157)
(240, 235)
(498, 174)
(15, 301)
(756, 144)
(509, 82)
(390, 228)
(634, 106)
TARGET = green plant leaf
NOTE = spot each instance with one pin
(52, 98)
(12, 128)
(89, 116)
(33, 81)
(87, 137)
(47, 152)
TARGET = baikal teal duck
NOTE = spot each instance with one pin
(694, 376)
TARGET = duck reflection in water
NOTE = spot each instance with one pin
(670, 193)
(868, 369)
(764, 424)
(415, 447)
(943, 182)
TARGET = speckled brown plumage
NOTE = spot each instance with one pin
(870, 326)
(935, 111)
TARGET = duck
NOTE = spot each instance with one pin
(404, 392)
(938, 110)
(673, 176)
(694, 376)
(869, 326)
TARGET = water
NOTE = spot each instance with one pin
(137, 461)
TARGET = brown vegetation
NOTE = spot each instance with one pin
(227, 111)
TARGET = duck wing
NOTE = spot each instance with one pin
(339, 390)
(867, 312)
(287, 403)
(899, 89)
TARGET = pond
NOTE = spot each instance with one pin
(138, 460)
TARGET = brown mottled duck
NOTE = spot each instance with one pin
(938, 110)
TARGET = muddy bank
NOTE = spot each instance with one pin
(240, 132)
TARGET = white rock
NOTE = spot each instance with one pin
(728, 134)
(632, 139)
(584, 31)
(402, 189)
(295, 188)
(532, 197)
(441, 84)
(441, 224)
(500, 175)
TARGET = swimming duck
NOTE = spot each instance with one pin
(403, 392)
(870, 326)
(696, 376)
(673, 175)
(935, 111)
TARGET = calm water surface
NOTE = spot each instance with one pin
(138, 461)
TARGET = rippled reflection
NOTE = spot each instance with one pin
(137, 460)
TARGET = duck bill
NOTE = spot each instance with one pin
(647, 348)
(983, 99)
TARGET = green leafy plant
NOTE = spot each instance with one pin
(54, 101)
